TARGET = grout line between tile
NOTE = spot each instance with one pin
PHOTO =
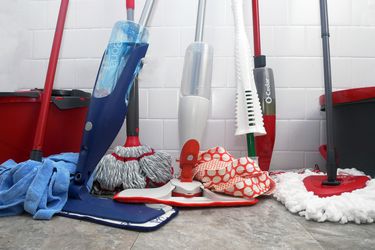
(132, 246)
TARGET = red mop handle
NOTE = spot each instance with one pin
(256, 29)
(48, 85)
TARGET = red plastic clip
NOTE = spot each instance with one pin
(188, 159)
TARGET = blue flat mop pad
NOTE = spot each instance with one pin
(40, 189)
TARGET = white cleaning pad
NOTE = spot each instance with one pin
(357, 206)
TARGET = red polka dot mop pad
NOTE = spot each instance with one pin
(220, 180)
(221, 172)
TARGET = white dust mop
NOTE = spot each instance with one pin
(357, 206)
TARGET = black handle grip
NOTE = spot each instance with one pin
(132, 117)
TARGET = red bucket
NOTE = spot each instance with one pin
(18, 119)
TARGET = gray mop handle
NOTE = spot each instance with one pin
(200, 21)
(146, 13)
(331, 161)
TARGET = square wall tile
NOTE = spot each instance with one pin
(164, 41)
(289, 41)
(222, 40)
(171, 135)
(312, 106)
(313, 41)
(214, 134)
(89, 13)
(290, 103)
(282, 136)
(152, 73)
(215, 12)
(287, 160)
(163, 103)
(363, 12)
(363, 72)
(268, 15)
(37, 14)
(78, 43)
(161, 71)
(342, 72)
(173, 71)
(86, 72)
(33, 73)
(219, 72)
(65, 74)
(180, 12)
(303, 12)
(340, 12)
(151, 133)
(304, 135)
(42, 43)
(143, 103)
(297, 72)
(231, 76)
(351, 42)
(223, 103)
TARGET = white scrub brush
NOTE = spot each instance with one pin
(249, 117)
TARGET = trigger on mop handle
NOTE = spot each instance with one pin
(188, 159)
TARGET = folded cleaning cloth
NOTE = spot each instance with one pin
(221, 172)
(39, 188)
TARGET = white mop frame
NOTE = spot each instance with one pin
(249, 117)
(357, 206)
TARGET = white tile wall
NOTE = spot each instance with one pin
(290, 39)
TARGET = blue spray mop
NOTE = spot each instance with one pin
(107, 111)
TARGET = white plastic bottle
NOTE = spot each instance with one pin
(195, 92)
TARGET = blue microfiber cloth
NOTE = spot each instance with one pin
(39, 188)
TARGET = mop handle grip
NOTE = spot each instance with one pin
(130, 4)
(132, 117)
(130, 10)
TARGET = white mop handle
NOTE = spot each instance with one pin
(146, 13)
(248, 111)
(200, 21)
(243, 51)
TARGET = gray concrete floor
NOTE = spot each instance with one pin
(267, 225)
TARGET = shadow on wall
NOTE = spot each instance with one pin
(14, 43)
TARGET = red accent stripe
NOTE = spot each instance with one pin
(182, 204)
(125, 159)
